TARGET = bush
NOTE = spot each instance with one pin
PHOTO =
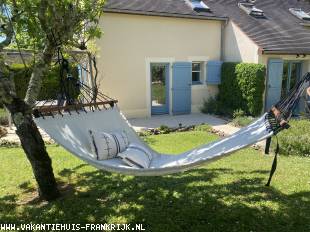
(295, 140)
(50, 82)
(238, 113)
(164, 129)
(4, 120)
(210, 106)
(214, 106)
(241, 121)
(242, 87)
(203, 127)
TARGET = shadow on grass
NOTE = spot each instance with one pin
(192, 201)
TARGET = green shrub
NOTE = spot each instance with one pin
(203, 127)
(214, 106)
(238, 113)
(210, 106)
(295, 140)
(164, 129)
(4, 120)
(229, 92)
(50, 82)
(241, 121)
(242, 87)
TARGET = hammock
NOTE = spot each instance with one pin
(70, 130)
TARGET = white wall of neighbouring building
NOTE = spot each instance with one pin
(237, 46)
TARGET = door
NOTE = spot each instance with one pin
(291, 75)
(274, 82)
(181, 88)
(160, 88)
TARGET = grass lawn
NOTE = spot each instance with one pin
(227, 195)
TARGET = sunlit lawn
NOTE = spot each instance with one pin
(227, 195)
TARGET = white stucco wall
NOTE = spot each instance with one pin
(130, 42)
(238, 47)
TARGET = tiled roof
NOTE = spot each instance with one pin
(169, 8)
(280, 32)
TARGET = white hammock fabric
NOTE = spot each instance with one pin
(71, 132)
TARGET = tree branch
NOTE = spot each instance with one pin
(40, 69)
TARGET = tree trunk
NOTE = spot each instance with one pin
(27, 131)
(34, 147)
(41, 163)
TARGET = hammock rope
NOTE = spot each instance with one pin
(288, 104)
(73, 95)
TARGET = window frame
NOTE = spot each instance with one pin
(200, 82)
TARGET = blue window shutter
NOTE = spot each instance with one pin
(214, 72)
(181, 87)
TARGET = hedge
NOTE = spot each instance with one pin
(50, 84)
(295, 140)
(242, 87)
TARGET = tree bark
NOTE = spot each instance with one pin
(40, 69)
(27, 131)
(34, 147)
(59, 24)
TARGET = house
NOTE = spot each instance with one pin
(280, 40)
(165, 56)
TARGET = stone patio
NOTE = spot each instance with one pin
(186, 120)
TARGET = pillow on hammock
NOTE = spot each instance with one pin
(107, 146)
(136, 156)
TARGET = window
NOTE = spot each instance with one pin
(250, 9)
(291, 75)
(198, 5)
(299, 13)
(196, 72)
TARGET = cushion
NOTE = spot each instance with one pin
(136, 156)
(107, 145)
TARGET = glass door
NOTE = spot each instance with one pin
(160, 88)
(291, 75)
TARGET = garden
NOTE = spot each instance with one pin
(42, 183)
(227, 195)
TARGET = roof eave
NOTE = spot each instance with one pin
(164, 14)
(275, 52)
